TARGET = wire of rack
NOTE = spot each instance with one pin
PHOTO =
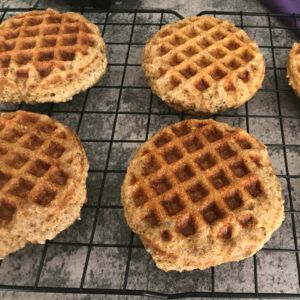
(124, 68)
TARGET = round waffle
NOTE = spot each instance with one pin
(293, 68)
(43, 170)
(47, 56)
(203, 65)
(200, 193)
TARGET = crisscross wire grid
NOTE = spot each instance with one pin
(99, 254)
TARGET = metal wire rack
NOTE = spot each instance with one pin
(99, 255)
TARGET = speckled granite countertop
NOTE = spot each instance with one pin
(276, 271)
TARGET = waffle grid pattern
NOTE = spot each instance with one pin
(29, 172)
(206, 51)
(123, 256)
(43, 40)
(214, 169)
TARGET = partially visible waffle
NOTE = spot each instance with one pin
(47, 56)
(43, 170)
(203, 65)
(200, 193)
(293, 68)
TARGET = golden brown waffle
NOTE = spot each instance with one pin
(293, 68)
(43, 170)
(200, 193)
(203, 65)
(47, 56)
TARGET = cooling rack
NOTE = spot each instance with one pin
(99, 254)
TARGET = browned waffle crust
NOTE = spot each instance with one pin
(293, 68)
(43, 169)
(47, 56)
(201, 193)
(203, 65)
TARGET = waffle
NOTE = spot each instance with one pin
(47, 56)
(293, 68)
(200, 193)
(203, 65)
(43, 169)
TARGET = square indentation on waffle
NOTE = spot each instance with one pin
(232, 45)
(12, 135)
(7, 46)
(254, 188)
(45, 56)
(4, 178)
(58, 177)
(21, 188)
(203, 61)
(219, 180)
(38, 168)
(152, 218)
(47, 127)
(70, 40)
(55, 150)
(184, 173)
(247, 220)
(246, 55)
(206, 161)
(164, 49)
(191, 31)
(16, 160)
(53, 20)
(217, 73)
(166, 235)
(225, 151)
(48, 42)
(205, 42)
(218, 52)
(176, 59)
(174, 81)
(207, 24)
(5, 61)
(161, 185)
(172, 155)
(44, 195)
(22, 58)
(244, 75)
(181, 130)
(3, 151)
(190, 51)
(177, 40)
(197, 192)
(233, 63)
(234, 200)
(192, 144)
(218, 34)
(202, 84)
(186, 225)
(162, 139)
(212, 213)
(213, 134)
(239, 168)
(188, 71)
(139, 196)
(243, 143)
(150, 165)
(33, 142)
(7, 210)
(173, 205)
